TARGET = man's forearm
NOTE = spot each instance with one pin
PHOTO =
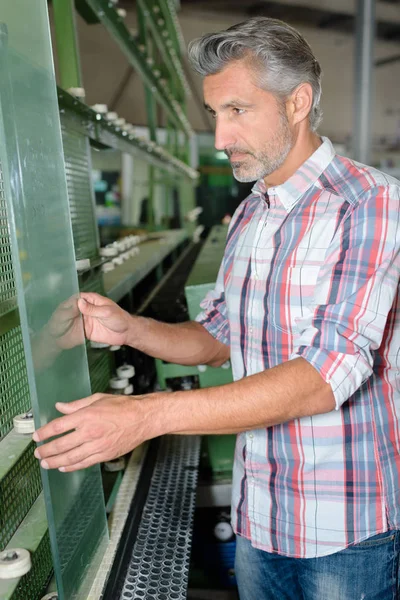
(290, 391)
(182, 343)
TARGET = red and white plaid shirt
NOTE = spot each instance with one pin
(311, 269)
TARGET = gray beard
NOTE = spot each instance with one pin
(261, 164)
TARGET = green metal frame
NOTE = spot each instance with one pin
(106, 134)
(141, 62)
(67, 44)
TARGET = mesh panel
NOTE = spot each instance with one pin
(77, 169)
(100, 369)
(159, 566)
(18, 491)
(32, 586)
(14, 389)
(7, 283)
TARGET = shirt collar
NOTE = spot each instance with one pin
(307, 175)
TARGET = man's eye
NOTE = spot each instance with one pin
(238, 111)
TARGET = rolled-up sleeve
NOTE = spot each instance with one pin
(214, 314)
(354, 294)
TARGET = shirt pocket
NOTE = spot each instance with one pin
(294, 299)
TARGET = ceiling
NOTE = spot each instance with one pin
(322, 15)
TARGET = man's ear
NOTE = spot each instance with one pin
(299, 104)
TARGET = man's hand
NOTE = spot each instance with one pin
(98, 428)
(104, 320)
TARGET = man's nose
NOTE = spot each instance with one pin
(224, 136)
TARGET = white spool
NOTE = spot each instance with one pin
(120, 121)
(98, 345)
(117, 383)
(115, 348)
(111, 116)
(226, 365)
(126, 371)
(107, 267)
(51, 596)
(108, 251)
(202, 368)
(121, 13)
(128, 391)
(83, 264)
(113, 466)
(78, 92)
(15, 562)
(24, 424)
(102, 109)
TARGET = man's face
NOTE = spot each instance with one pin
(251, 124)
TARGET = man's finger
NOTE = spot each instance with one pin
(60, 445)
(71, 457)
(94, 459)
(96, 299)
(67, 408)
(92, 310)
(56, 427)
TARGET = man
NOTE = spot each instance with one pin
(306, 306)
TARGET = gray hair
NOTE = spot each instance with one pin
(282, 58)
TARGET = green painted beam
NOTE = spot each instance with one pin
(137, 57)
(162, 38)
(67, 44)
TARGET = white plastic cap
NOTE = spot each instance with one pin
(202, 368)
(98, 345)
(100, 108)
(120, 121)
(108, 251)
(115, 465)
(107, 267)
(83, 264)
(128, 391)
(115, 348)
(14, 562)
(126, 371)
(226, 365)
(111, 116)
(78, 92)
(24, 423)
(118, 383)
(121, 12)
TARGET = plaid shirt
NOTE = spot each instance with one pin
(311, 270)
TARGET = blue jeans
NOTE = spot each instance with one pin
(365, 571)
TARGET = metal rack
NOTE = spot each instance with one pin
(23, 521)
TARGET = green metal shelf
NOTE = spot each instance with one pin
(32, 535)
(83, 119)
(113, 22)
(120, 282)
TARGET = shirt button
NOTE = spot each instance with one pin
(251, 436)
(250, 329)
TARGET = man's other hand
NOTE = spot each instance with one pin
(103, 319)
(96, 429)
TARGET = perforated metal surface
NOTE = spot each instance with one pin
(7, 283)
(18, 491)
(14, 389)
(77, 169)
(159, 567)
(33, 585)
(100, 369)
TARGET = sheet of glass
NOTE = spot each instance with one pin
(31, 155)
